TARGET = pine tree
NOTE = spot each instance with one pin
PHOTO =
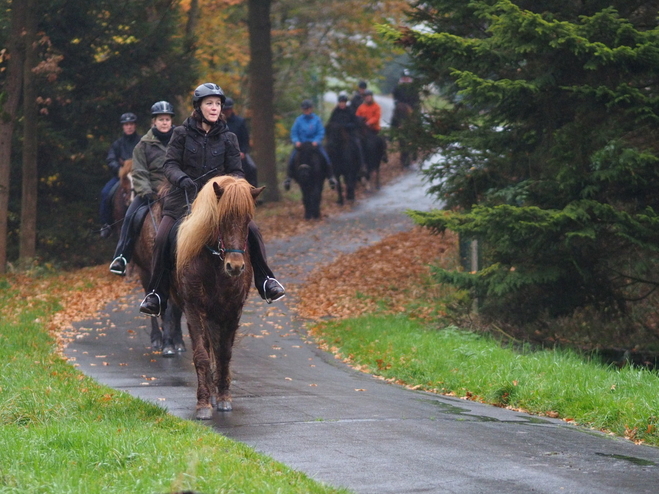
(550, 147)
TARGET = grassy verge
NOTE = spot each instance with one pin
(556, 383)
(62, 432)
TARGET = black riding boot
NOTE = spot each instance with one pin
(155, 302)
(124, 250)
(264, 279)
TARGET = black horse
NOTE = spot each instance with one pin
(344, 153)
(309, 171)
(374, 147)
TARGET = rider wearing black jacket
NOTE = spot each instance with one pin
(200, 149)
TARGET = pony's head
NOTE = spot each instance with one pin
(219, 219)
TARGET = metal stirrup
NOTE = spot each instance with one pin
(265, 295)
(122, 258)
(159, 303)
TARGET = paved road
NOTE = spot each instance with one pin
(345, 428)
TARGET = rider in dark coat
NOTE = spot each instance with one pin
(148, 177)
(238, 126)
(200, 149)
(342, 117)
(120, 151)
(358, 97)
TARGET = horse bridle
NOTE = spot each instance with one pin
(221, 250)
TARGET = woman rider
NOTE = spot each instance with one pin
(148, 176)
(200, 149)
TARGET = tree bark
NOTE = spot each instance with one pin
(261, 95)
(28, 234)
(11, 93)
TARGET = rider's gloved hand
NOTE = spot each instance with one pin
(332, 183)
(287, 184)
(188, 184)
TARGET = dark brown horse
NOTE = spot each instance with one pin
(170, 339)
(122, 196)
(213, 277)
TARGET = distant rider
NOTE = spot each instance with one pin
(343, 118)
(120, 151)
(371, 112)
(200, 149)
(238, 126)
(308, 128)
(358, 97)
(148, 177)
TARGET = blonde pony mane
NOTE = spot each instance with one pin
(202, 226)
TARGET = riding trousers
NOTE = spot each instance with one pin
(128, 230)
(161, 265)
(323, 153)
(106, 201)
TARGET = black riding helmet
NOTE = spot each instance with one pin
(306, 104)
(343, 97)
(228, 104)
(162, 108)
(128, 118)
(205, 90)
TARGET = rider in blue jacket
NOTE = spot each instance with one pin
(308, 127)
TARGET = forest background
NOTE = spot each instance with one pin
(70, 68)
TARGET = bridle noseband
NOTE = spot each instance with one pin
(221, 250)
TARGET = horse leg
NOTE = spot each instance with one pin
(177, 332)
(223, 352)
(339, 191)
(156, 335)
(306, 200)
(168, 322)
(202, 363)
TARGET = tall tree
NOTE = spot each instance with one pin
(11, 91)
(261, 91)
(30, 181)
(549, 147)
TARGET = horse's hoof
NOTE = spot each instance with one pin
(180, 347)
(169, 351)
(156, 346)
(205, 413)
(224, 406)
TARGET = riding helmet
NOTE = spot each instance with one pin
(342, 97)
(368, 92)
(228, 104)
(128, 118)
(306, 104)
(205, 90)
(162, 108)
(362, 85)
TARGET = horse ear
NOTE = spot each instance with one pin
(218, 190)
(256, 192)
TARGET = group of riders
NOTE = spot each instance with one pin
(171, 164)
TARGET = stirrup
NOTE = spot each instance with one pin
(265, 295)
(116, 271)
(159, 304)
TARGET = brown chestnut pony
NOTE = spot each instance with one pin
(213, 278)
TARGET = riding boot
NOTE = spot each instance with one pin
(155, 302)
(264, 279)
(124, 250)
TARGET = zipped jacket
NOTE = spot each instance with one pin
(148, 161)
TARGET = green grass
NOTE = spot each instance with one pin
(61, 432)
(624, 401)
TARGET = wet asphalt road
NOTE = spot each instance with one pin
(310, 411)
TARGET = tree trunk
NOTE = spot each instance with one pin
(28, 235)
(11, 93)
(261, 95)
